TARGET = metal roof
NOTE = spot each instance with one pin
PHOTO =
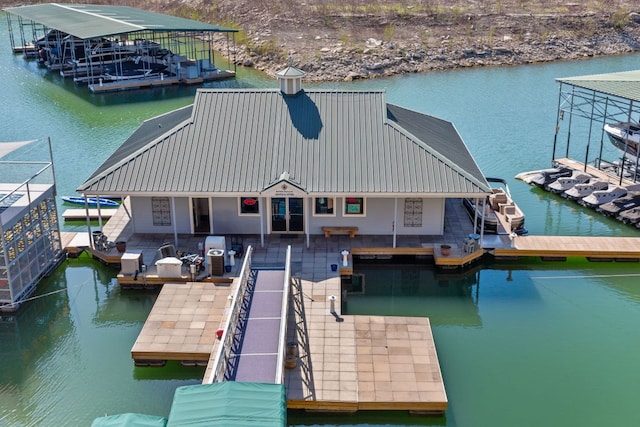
(91, 21)
(625, 84)
(327, 142)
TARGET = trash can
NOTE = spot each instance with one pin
(215, 261)
(97, 235)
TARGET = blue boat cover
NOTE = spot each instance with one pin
(130, 420)
(231, 403)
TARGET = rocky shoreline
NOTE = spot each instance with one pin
(334, 60)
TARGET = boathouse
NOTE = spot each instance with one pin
(112, 48)
(30, 246)
(290, 161)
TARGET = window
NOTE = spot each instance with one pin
(413, 212)
(354, 206)
(249, 206)
(161, 211)
(323, 206)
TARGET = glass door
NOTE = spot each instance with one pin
(287, 214)
(296, 214)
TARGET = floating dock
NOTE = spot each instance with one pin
(555, 248)
(82, 214)
(358, 363)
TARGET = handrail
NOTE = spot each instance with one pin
(282, 347)
(224, 350)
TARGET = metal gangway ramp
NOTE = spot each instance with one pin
(252, 347)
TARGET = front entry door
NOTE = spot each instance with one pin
(200, 215)
(287, 214)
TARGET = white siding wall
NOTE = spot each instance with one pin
(378, 218)
(227, 221)
(143, 220)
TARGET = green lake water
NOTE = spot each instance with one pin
(520, 344)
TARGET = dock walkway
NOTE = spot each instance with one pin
(257, 356)
(590, 247)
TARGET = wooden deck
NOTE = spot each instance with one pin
(81, 214)
(590, 247)
(457, 258)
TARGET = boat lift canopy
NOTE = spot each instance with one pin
(94, 21)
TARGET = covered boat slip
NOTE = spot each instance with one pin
(117, 47)
(230, 403)
(225, 404)
(585, 105)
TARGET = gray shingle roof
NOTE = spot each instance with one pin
(331, 142)
(624, 84)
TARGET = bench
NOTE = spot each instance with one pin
(351, 230)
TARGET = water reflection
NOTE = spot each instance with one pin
(447, 297)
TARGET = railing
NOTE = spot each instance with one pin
(282, 347)
(226, 341)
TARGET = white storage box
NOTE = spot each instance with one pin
(130, 262)
(169, 267)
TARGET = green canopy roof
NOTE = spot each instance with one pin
(625, 84)
(129, 420)
(93, 21)
(231, 403)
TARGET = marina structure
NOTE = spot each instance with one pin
(610, 106)
(598, 103)
(112, 48)
(30, 243)
(291, 162)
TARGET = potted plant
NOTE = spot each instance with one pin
(121, 246)
(445, 249)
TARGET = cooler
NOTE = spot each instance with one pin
(130, 262)
(169, 267)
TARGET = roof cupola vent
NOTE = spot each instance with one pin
(290, 80)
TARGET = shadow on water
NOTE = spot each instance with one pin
(364, 418)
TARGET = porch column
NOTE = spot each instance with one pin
(262, 212)
(482, 223)
(211, 216)
(395, 219)
(175, 225)
(307, 202)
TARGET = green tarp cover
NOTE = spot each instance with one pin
(130, 420)
(231, 403)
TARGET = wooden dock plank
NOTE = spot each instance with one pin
(81, 214)
(573, 246)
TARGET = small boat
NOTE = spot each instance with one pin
(625, 136)
(562, 184)
(498, 209)
(600, 197)
(580, 191)
(617, 206)
(91, 201)
(544, 177)
(630, 216)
